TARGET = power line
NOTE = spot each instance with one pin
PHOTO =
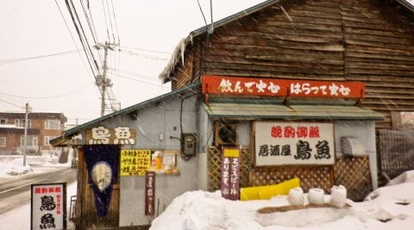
(147, 56)
(49, 97)
(90, 22)
(116, 23)
(106, 20)
(20, 107)
(145, 50)
(101, 80)
(92, 63)
(71, 36)
(91, 25)
(202, 13)
(9, 61)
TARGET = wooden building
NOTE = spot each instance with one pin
(366, 47)
(366, 41)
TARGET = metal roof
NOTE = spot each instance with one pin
(303, 112)
(68, 133)
(406, 4)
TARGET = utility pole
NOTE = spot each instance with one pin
(26, 126)
(102, 81)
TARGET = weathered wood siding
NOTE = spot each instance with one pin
(340, 40)
(380, 52)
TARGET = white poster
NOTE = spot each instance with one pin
(286, 143)
(48, 206)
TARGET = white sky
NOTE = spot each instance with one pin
(64, 82)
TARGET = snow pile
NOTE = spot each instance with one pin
(33, 165)
(390, 207)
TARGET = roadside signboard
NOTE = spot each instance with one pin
(48, 206)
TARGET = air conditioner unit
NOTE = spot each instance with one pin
(225, 134)
(351, 146)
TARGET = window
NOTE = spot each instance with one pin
(407, 118)
(402, 119)
(2, 142)
(48, 138)
(32, 140)
(53, 124)
(20, 123)
(3, 121)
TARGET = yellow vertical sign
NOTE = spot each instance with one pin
(135, 162)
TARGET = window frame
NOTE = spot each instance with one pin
(50, 122)
(3, 142)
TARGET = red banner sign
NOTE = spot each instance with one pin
(282, 88)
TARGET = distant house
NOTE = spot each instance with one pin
(42, 127)
(287, 88)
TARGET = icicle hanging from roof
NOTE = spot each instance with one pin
(179, 53)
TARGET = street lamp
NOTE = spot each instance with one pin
(26, 125)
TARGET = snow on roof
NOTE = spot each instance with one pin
(7, 126)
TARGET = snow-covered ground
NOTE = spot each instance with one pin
(19, 218)
(390, 207)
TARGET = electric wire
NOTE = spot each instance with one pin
(202, 13)
(9, 61)
(145, 50)
(90, 62)
(134, 79)
(106, 21)
(93, 29)
(115, 21)
(71, 35)
(53, 96)
(87, 46)
(110, 21)
(20, 107)
(88, 20)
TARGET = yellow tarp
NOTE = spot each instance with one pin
(268, 191)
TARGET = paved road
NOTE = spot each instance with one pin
(16, 192)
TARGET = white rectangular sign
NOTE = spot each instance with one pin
(48, 209)
(286, 143)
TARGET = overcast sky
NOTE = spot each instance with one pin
(42, 61)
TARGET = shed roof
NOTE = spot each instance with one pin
(66, 135)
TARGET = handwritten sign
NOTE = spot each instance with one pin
(230, 173)
(135, 162)
(48, 204)
(103, 136)
(283, 143)
(149, 193)
(277, 87)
